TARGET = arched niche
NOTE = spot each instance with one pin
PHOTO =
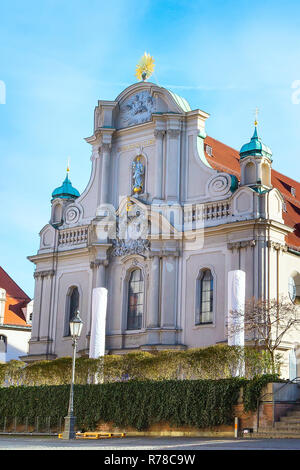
(266, 174)
(56, 213)
(138, 175)
(250, 173)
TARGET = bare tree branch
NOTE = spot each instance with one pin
(265, 323)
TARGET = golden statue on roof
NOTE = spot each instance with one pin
(145, 67)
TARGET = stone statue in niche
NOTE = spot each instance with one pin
(138, 173)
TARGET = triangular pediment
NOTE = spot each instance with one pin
(153, 222)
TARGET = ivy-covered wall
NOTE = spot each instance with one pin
(197, 387)
(138, 404)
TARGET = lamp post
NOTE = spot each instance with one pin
(75, 329)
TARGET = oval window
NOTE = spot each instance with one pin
(292, 289)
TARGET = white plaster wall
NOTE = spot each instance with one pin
(17, 344)
(205, 335)
(79, 275)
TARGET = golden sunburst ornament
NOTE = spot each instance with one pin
(145, 67)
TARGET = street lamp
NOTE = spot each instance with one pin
(75, 329)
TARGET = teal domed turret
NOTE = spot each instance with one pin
(66, 190)
(256, 164)
(255, 147)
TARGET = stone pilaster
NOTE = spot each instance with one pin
(41, 309)
(105, 153)
(173, 164)
(100, 272)
(45, 306)
(169, 290)
(159, 136)
(154, 293)
(237, 248)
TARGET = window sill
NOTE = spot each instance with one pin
(204, 325)
(129, 332)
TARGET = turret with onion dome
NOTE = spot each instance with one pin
(255, 147)
(256, 161)
(61, 197)
(66, 190)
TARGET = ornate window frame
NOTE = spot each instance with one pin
(132, 263)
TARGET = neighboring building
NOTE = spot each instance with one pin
(188, 210)
(15, 319)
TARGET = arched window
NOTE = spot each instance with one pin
(3, 344)
(204, 300)
(294, 287)
(135, 308)
(72, 305)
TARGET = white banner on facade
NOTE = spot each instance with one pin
(236, 307)
(99, 307)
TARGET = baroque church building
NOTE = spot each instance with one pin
(167, 214)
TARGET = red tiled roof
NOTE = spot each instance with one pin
(16, 299)
(226, 159)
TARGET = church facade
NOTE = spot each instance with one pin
(167, 213)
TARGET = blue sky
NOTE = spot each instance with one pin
(57, 58)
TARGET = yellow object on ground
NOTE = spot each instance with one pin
(97, 435)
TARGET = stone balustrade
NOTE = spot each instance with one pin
(73, 236)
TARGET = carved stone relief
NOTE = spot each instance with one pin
(137, 109)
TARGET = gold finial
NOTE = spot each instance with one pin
(145, 67)
(256, 116)
(68, 166)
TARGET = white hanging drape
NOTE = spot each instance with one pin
(99, 307)
(236, 307)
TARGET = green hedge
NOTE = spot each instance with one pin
(200, 403)
(211, 363)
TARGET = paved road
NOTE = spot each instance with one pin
(140, 443)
